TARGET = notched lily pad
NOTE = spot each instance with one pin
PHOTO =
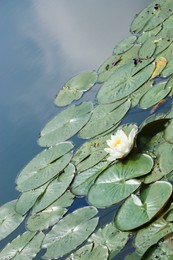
(72, 230)
(75, 88)
(65, 124)
(118, 181)
(138, 210)
(9, 218)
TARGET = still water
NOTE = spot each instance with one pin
(43, 44)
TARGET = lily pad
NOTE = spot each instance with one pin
(168, 133)
(104, 117)
(28, 199)
(84, 180)
(25, 246)
(152, 16)
(125, 45)
(147, 49)
(138, 94)
(55, 189)
(75, 88)
(9, 219)
(154, 95)
(70, 232)
(160, 64)
(65, 124)
(164, 153)
(51, 215)
(136, 211)
(150, 235)
(34, 179)
(149, 34)
(117, 182)
(90, 153)
(124, 81)
(111, 237)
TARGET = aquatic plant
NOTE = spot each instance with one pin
(138, 176)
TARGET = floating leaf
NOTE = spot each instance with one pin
(28, 199)
(147, 49)
(90, 153)
(155, 175)
(125, 45)
(65, 124)
(25, 246)
(168, 133)
(124, 81)
(154, 95)
(137, 94)
(75, 87)
(84, 180)
(117, 182)
(70, 232)
(51, 215)
(163, 250)
(111, 237)
(34, 179)
(9, 218)
(164, 153)
(116, 61)
(150, 131)
(81, 253)
(152, 16)
(150, 235)
(55, 189)
(160, 64)
(136, 211)
(103, 118)
(149, 34)
(44, 161)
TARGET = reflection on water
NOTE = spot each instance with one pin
(43, 44)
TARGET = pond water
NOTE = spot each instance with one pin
(43, 44)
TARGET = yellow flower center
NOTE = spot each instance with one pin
(118, 141)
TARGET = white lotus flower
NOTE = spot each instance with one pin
(120, 144)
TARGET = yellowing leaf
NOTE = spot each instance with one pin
(160, 64)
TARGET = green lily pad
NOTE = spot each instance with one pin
(75, 88)
(90, 153)
(162, 251)
(55, 189)
(34, 179)
(150, 235)
(152, 16)
(125, 45)
(149, 131)
(84, 180)
(28, 199)
(149, 34)
(9, 219)
(154, 95)
(136, 211)
(25, 246)
(139, 93)
(124, 81)
(65, 124)
(81, 253)
(51, 215)
(117, 182)
(168, 133)
(70, 232)
(103, 118)
(155, 175)
(111, 237)
(164, 152)
(148, 48)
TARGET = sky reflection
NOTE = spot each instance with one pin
(43, 44)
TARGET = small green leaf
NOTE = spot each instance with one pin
(125, 45)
